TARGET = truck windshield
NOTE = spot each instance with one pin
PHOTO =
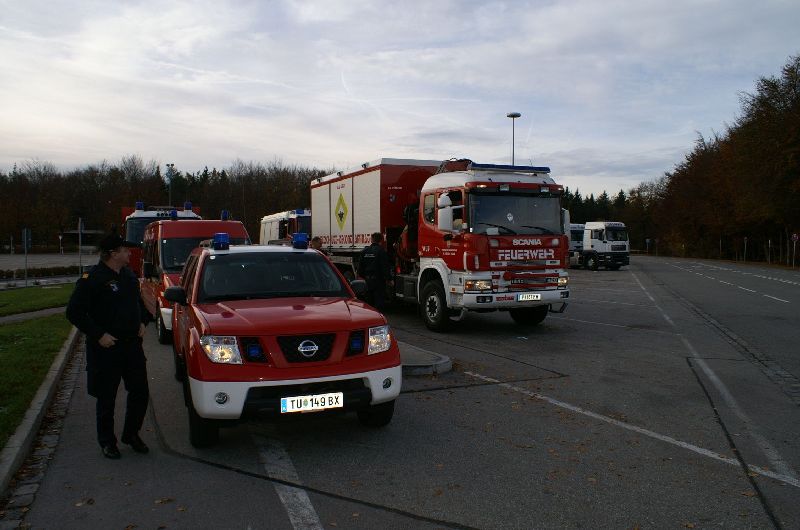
(615, 234)
(175, 251)
(134, 228)
(268, 275)
(514, 213)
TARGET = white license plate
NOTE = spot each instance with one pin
(334, 400)
(527, 297)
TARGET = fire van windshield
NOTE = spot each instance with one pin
(513, 213)
(175, 251)
(269, 275)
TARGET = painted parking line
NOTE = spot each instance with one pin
(278, 464)
(745, 289)
(786, 479)
(778, 299)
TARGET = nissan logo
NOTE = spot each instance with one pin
(307, 348)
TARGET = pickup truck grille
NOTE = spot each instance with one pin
(290, 344)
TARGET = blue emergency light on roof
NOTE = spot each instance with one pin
(300, 240)
(300, 211)
(221, 241)
(173, 214)
(187, 206)
(140, 205)
(224, 215)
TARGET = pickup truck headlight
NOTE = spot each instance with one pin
(221, 349)
(380, 339)
(563, 281)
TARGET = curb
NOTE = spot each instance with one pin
(418, 361)
(19, 444)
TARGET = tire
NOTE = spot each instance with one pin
(529, 316)
(377, 415)
(433, 308)
(614, 267)
(202, 432)
(591, 263)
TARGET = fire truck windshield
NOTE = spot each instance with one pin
(514, 213)
(175, 251)
(134, 228)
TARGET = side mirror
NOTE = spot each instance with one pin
(175, 294)
(359, 286)
(445, 220)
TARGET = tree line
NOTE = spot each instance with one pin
(736, 195)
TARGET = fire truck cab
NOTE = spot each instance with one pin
(167, 245)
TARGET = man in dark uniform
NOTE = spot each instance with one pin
(107, 307)
(373, 266)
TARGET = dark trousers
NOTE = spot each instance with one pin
(106, 368)
(377, 292)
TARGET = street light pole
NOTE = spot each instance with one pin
(170, 169)
(513, 116)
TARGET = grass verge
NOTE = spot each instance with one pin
(28, 299)
(27, 350)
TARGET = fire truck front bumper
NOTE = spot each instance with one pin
(509, 300)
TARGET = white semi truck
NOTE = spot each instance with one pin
(575, 243)
(605, 244)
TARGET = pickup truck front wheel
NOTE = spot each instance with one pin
(377, 415)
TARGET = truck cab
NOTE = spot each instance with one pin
(575, 243)
(277, 331)
(605, 244)
(166, 246)
(277, 228)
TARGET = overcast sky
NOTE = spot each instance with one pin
(612, 93)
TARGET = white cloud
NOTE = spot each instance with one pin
(610, 93)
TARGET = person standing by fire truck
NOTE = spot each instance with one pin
(107, 307)
(373, 266)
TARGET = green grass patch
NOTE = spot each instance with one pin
(27, 350)
(27, 299)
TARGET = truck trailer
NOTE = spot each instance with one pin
(461, 236)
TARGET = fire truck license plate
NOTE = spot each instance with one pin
(527, 297)
(334, 400)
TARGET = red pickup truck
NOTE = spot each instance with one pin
(277, 330)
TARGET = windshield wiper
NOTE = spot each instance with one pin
(543, 229)
(507, 229)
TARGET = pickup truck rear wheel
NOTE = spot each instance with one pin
(433, 307)
(202, 431)
(377, 415)
(529, 316)
(164, 334)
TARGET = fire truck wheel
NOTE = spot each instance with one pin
(164, 335)
(377, 415)
(433, 307)
(529, 316)
(202, 432)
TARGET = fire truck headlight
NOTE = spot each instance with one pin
(554, 242)
(478, 285)
(563, 281)
(221, 349)
(380, 339)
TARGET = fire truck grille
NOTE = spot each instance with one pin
(307, 348)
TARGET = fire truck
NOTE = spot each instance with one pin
(462, 236)
(279, 227)
(135, 220)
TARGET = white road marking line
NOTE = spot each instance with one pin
(612, 302)
(778, 299)
(650, 434)
(772, 454)
(278, 465)
(723, 281)
(745, 289)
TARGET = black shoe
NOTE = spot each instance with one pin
(136, 443)
(111, 451)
